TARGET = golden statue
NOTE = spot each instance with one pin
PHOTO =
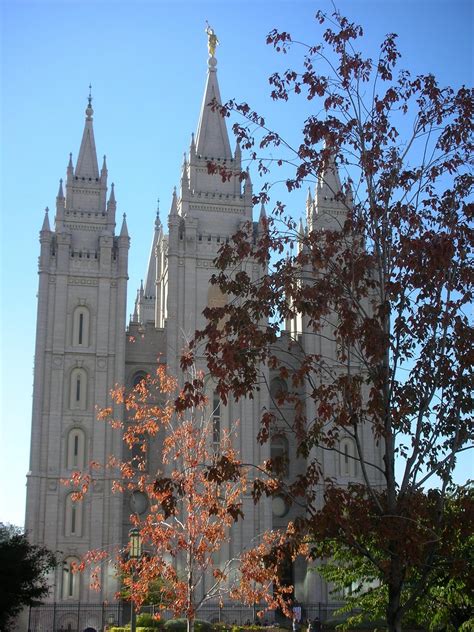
(212, 40)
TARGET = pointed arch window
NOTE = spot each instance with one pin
(216, 422)
(80, 327)
(73, 517)
(347, 457)
(139, 454)
(138, 377)
(278, 389)
(216, 298)
(70, 579)
(279, 453)
(78, 391)
(76, 443)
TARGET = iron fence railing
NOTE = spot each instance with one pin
(87, 617)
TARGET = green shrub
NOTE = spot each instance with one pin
(140, 628)
(221, 627)
(146, 620)
(180, 625)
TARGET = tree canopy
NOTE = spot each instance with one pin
(193, 497)
(379, 278)
(23, 573)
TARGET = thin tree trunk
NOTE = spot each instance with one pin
(190, 613)
(394, 618)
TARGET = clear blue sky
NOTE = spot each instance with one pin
(146, 61)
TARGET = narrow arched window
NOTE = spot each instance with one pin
(216, 422)
(138, 377)
(279, 452)
(78, 394)
(278, 389)
(70, 578)
(73, 517)
(76, 443)
(216, 298)
(80, 327)
(139, 454)
(347, 457)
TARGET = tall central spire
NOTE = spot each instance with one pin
(87, 166)
(212, 140)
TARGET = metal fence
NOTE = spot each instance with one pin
(76, 617)
(86, 617)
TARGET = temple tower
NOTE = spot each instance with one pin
(79, 356)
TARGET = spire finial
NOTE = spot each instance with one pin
(89, 110)
(212, 42)
(157, 219)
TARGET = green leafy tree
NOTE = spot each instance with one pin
(448, 601)
(23, 573)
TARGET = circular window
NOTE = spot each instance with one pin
(138, 502)
(279, 506)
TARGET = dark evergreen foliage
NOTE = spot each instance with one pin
(23, 571)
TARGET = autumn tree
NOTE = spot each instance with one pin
(381, 276)
(193, 498)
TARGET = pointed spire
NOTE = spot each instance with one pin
(60, 206)
(330, 208)
(174, 203)
(60, 195)
(158, 224)
(300, 235)
(135, 311)
(310, 210)
(184, 175)
(329, 183)
(69, 173)
(124, 229)
(262, 220)
(212, 140)
(192, 148)
(238, 152)
(150, 284)
(103, 171)
(87, 166)
(112, 194)
(46, 227)
(248, 190)
(142, 292)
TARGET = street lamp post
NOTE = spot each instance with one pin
(135, 551)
